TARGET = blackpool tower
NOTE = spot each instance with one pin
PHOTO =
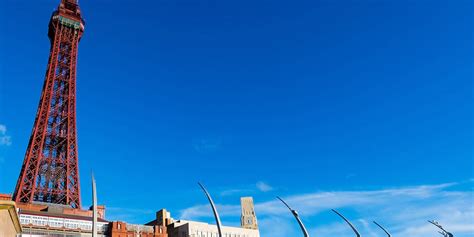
(50, 172)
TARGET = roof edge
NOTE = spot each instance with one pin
(11, 207)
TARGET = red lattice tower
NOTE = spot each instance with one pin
(50, 170)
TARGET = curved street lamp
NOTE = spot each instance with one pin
(444, 232)
(94, 208)
(348, 222)
(214, 210)
(295, 214)
(388, 234)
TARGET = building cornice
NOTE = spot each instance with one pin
(11, 207)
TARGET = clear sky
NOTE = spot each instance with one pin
(360, 105)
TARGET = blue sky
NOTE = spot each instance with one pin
(366, 100)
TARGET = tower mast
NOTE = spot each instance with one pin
(50, 171)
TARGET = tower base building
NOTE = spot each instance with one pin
(45, 219)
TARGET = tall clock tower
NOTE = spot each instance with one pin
(248, 219)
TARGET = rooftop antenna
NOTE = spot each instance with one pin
(297, 217)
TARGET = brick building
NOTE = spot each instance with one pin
(122, 229)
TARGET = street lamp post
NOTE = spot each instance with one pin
(444, 232)
(295, 214)
(214, 210)
(348, 222)
(388, 234)
(94, 208)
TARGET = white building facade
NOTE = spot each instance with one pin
(183, 228)
(44, 225)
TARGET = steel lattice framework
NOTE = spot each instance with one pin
(50, 169)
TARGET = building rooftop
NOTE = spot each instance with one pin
(60, 215)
